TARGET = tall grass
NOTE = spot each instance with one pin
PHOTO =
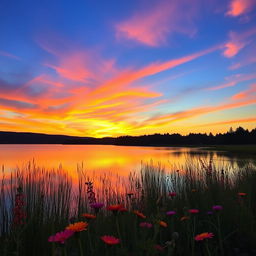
(53, 200)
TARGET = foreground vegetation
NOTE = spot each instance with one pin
(198, 210)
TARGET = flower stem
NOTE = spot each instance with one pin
(220, 236)
(80, 247)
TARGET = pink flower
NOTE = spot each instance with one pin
(217, 208)
(193, 211)
(61, 237)
(146, 225)
(170, 213)
(203, 236)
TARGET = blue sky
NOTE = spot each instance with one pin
(110, 68)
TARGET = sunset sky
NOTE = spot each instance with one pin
(110, 67)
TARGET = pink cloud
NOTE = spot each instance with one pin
(233, 81)
(9, 55)
(234, 45)
(153, 26)
(240, 7)
(237, 41)
(246, 93)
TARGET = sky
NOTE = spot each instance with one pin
(110, 68)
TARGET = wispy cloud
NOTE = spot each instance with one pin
(9, 55)
(153, 25)
(233, 81)
(162, 120)
(237, 41)
(233, 121)
(246, 93)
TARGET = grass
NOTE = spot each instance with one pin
(51, 201)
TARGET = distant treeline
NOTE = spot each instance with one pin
(232, 137)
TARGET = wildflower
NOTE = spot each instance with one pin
(122, 209)
(162, 224)
(78, 226)
(61, 237)
(19, 214)
(172, 194)
(170, 213)
(203, 236)
(111, 240)
(158, 247)
(139, 214)
(88, 216)
(90, 192)
(146, 225)
(184, 218)
(115, 207)
(96, 206)
(242, 194)
(210, 212)
(217, 208)
(193, 211)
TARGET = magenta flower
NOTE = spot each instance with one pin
(217, 208)
(146, 225)
(97, 206)
(170, 213)
(209, 212)
(61, 237)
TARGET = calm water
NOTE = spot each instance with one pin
(115, 159)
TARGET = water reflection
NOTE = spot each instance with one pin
(119, 160)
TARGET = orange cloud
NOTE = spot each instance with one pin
(152, 27)
(240, 7)
(235, 121)
(174, 117)
(246, 93)
(110, 104)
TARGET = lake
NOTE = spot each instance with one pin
(119, 160)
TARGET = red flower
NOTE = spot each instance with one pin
(172, 194)
(193, 211)
(115, 207)
(111, 240)
(139, 214)
(203, 236)
(159, 247)
(88, 216)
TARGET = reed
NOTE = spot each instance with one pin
(36, 203)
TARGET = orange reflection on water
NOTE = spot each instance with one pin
(108, 167)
